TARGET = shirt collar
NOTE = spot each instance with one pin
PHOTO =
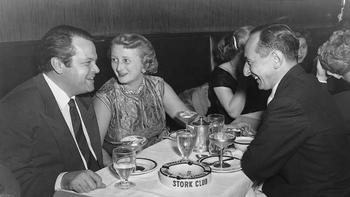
(60, 95)
(273, 92)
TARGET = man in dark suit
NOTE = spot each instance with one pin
(301, 148)
(49, 136)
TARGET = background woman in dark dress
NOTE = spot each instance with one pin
(230, 92)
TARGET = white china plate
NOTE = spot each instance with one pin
(148, 164)
(233, 161)
(245, 140)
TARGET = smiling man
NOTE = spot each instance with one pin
(301, 147)
(48, 134)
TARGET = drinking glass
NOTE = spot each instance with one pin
(217, 122)
(135, 143)
(124, 160)
(186, 139)
(187, 117)
(222, 140)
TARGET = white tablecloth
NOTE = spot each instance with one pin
(234, 184)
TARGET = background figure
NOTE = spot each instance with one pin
(134, 103)
(230, 92)
(306, 53)
(303, 47)
(301, 135)
(332, 69)
(38, 138)
(334, 61)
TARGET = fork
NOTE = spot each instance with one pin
(212, 163)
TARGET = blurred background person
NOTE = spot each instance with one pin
(334, 61)
(305, 53)
(230, 92)
(134, 102)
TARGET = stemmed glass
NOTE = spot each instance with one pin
(135, 143)
(222, 140)
(187, 117)
(217, 122)
(124, 160)
(186, 139)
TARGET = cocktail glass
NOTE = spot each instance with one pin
(187, 117)
(222, 140)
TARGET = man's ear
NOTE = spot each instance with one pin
(277, 58)
(57, 65)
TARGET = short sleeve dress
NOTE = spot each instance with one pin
(141, 113)
(255, 99)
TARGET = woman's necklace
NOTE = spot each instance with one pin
(133, 92)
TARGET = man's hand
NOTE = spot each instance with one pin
(82, 181)
(321, 73)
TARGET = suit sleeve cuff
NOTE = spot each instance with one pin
(58, 182)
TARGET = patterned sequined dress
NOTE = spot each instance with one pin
(135, 113)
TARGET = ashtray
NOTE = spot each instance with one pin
(184, 174)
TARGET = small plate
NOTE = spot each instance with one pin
(233, 161)
(245, 140)
(143, 166)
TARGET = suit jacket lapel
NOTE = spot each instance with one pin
(55, 120)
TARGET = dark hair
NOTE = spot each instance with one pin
(334, 55)
(277, 37)
(231, 44)
(137, 41)
(57, 42)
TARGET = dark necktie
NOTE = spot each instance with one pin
(80, 138)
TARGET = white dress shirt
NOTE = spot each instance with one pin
(62, 100)
(273, 91)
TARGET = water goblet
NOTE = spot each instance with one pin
(124, 160)
(222, 140)
(186, 139)
(217, 122)
(135, 143)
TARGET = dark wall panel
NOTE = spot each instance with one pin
(22, 20)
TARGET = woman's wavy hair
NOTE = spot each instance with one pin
(334, 54)
(231, 44)
(137, 41)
